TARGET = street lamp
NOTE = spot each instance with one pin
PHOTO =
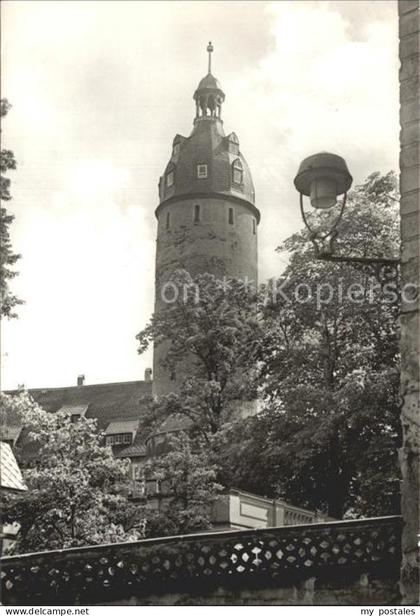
(323, 177)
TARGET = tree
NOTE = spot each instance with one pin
(320, 345)
(329, 432)
(188, 488)
(215, 326)
(211, 335)
(7, 257)
(73, 497)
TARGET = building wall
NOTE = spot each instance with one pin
(212, 245)
(243, 510)
(409, 27)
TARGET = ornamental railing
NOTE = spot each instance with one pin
(282, 556)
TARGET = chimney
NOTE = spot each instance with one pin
(148, 374)
(80, 380)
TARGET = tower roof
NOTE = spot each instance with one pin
(207, 162)
(207, 145)
(209, 82)
(209, 96)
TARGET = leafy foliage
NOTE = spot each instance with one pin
(328, 435)
(214, 327)
(320, 345)
(73, 497)
(188, 477)
(7, 257)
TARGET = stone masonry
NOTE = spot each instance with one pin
(409, 48)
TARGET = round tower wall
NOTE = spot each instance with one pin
(219, 242)
(222, 241)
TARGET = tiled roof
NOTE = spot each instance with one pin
(10, 475)
(136, 449)
(122, 427)
(207, 144)
(209, 82)
(133, 451)
(107, 402)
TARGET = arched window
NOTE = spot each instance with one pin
(237, 172)
(168, 220)
(230, 218)
(254, 226)
(197, 213)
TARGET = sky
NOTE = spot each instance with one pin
(100, 88)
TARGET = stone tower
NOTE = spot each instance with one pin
(207, 218)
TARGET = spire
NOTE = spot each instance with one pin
(210, 50)
(209, 95)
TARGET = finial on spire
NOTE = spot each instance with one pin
(210, 50)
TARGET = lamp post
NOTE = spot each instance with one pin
(323, 178)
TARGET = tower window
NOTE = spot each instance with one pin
(237, 172)
(169, 179)
(254, 226)
(168, 220)
(196, 213)
(231, 216)
(233, 144)
(201, 171)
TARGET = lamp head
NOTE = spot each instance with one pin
(323, 177)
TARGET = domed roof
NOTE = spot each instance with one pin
(209, 82)
(209, 86)
(207, 145)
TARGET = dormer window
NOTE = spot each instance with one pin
(121, 432)
(74, 412)
(237, 172)
(169, 179)
(176, 144)
(201, 172)
(119, 439)
(233, 144)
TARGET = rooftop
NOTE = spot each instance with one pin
(10, 476)
(109, 403)
(122, 427)
(105, 402)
